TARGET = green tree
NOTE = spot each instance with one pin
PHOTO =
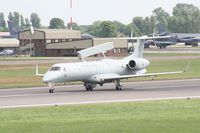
(95, 29)
(74, 26)
(186, 18)
(120, 28)
(130, 29)
(16, 18)
(139, 25)
(161, 16)
(153, 24)
(22, 23)
(107, 29)
(10, 16)
(2, 22)
(84, 28)
(56, 23)
(27, 23)
(35, 20)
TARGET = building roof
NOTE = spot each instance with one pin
(8, 43)
(51, 34)
(4, 33)
(80, 44)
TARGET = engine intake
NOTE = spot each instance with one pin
(137, 64)
(131, 64)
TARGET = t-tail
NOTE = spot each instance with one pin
(139, 47)
(138, 50)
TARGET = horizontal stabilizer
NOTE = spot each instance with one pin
(143, 38)
(95, 50)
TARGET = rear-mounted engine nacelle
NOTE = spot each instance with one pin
(136, 64)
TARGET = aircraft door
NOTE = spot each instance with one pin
(67, 75)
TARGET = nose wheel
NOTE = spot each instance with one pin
(51, 86)
(51, 90)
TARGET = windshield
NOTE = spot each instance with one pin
(55, 69)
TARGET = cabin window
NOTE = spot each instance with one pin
(55, 69)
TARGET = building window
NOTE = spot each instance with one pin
(114, 50)
(58, 51)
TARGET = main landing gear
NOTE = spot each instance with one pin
(89, 86)
(118, 86)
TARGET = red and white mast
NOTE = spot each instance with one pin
(71, 14)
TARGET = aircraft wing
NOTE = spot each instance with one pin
(165, 42)
(118, 77)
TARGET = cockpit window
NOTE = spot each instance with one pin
(55, 69)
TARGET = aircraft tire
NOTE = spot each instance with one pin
(51, 91)
(119, 87)
(89, 88)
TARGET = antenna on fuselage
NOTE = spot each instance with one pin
(102, 48)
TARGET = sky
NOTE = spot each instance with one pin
(85, 12)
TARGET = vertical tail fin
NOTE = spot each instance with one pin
(138, 50)
(13, 28)
(139, 47)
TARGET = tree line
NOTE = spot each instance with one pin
(185, 18)
(19, 21)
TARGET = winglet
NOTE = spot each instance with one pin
(37, 71)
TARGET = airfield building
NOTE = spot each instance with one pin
(62, 42)
(9, 44)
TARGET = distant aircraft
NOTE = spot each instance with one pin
(6, 52)
(162, 43)
(13, 29)
(93, 73)
(187, 38)
(86, 36)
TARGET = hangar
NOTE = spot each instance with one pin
(62, 42)
(9, 43)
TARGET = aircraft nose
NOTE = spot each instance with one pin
(53, 77)
(47, 78)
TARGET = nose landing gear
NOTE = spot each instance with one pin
(51, 86)
(51, 90)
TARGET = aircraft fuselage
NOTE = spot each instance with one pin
(92, 71)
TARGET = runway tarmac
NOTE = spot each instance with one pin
(76, 94)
